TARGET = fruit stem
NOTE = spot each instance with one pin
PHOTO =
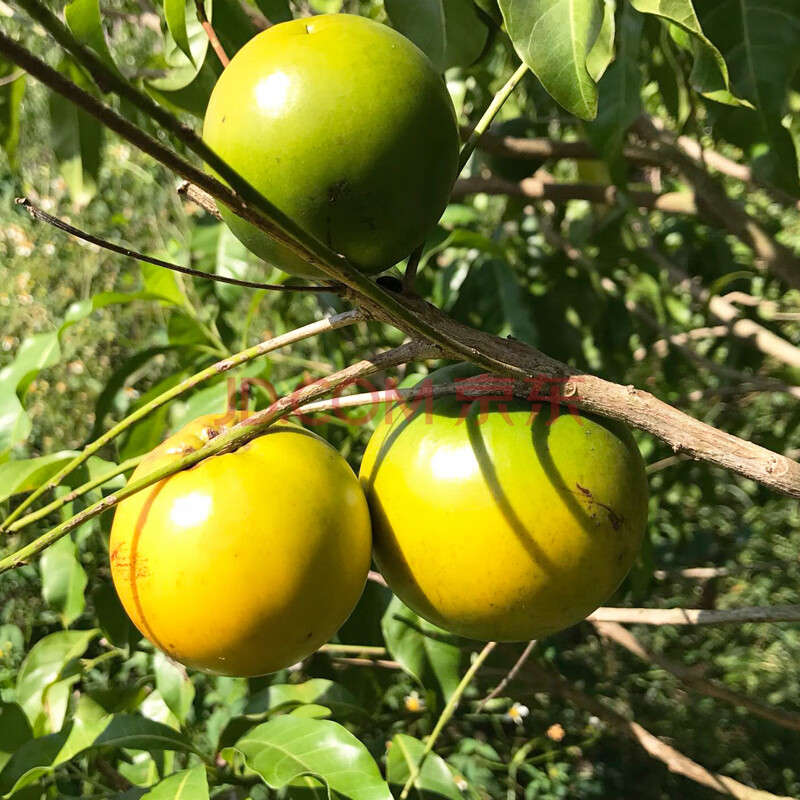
(305, 332)
(447, 713)
(213, 39)
(486, 120)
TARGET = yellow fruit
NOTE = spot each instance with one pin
(347, 128)
(498, 525)
(249, 561)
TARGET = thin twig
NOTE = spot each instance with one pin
(491, 112)
(313, 329)
(447, 712)
(673, 759)
(42, 216)
(707, 573)
(67, 498)
(512, 673)
(696, 616)
(623, 637)
(415, 317)
(213, 39)
(535, 188)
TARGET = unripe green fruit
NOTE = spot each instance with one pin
(496, 525)
(347, 128)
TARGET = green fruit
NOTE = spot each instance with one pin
(347, 128)
(508, 167)
(496, 525)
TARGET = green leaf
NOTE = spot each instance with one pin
(554, 38)
(602, 52)
(41, 756)
(759, 40)
(449, 32)
(320, 692)
(63, 580)
(84, 20)
(420, 647)
(191, 784)
(115, 624)
(710, 72)
(274, 10)
(620, 98)
(11, 94)
(77, 141)
(15, 730)
(43, 666)
(518, 314)
(27, 474)
(435, 781)
(174, 685)
(289, 747)
(423, 22)
(175, 14)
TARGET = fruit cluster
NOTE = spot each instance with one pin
(489, 519)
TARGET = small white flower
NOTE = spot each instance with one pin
(517, 713)
(461, 783)
(414, 703)
(594, 722)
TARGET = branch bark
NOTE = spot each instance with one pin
(536, 189)
(623, 637)
(696, 616)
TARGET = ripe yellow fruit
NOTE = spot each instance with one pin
(347, 128)
(249, 561)
(498, 525)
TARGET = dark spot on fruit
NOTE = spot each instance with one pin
(309, 634)
(308, 29)
(223, 119)
(614, 518)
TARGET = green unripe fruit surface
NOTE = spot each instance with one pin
(347, 128)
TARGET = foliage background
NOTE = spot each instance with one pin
(490, 265)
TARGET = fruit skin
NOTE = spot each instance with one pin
(503, 532)
(249, 561)
(347, 128)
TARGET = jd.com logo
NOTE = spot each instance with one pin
(490, 392)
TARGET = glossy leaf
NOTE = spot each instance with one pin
(85, 21)
(15, 730)
(289, 747)
(174, 685)
(27, 474)
(41, 756)
(115, 624)
(710, 73)
(759, 39)
(421, 648)
(175, 14)
(435, 781)
(602, 52)
(63, 580)
(11, 94)
(620, 101)
(43, 665)
(449, 32)
(190, 784)
(554, 38)
(77, 141)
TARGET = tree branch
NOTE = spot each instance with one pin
(696, 616)
(536, 189)
(623, 637)
(415, 317)
(512, 673)
(674, 760)
(42, 216)
(706, 573)
(234, 438)
(726, 213)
